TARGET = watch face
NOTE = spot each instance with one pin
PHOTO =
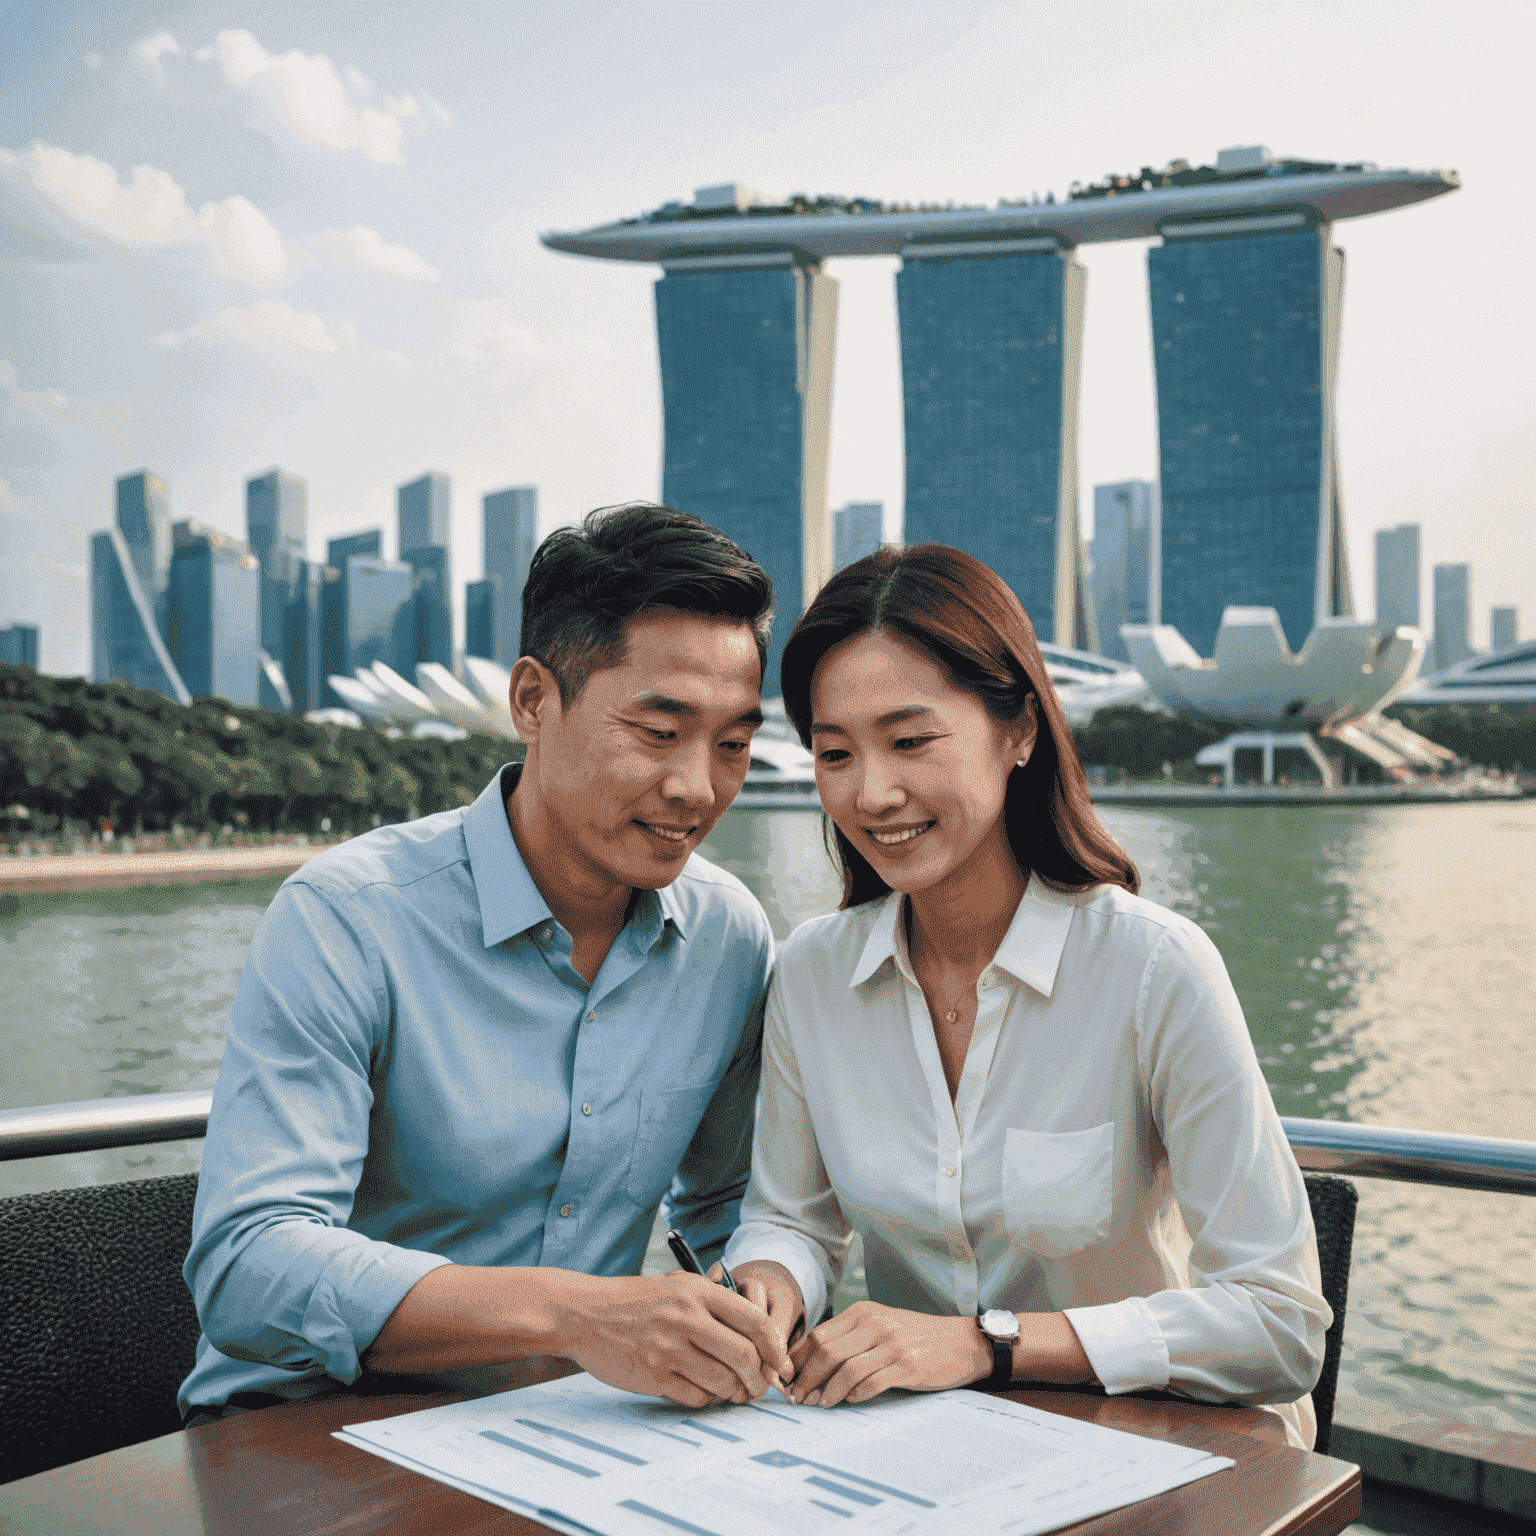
(997, 1324)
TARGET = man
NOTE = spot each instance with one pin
(470, 1054)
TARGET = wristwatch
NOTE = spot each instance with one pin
(1002, 1331)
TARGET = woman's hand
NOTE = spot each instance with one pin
(769, 1285)
(870, 1348)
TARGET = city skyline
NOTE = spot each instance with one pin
(373, 309)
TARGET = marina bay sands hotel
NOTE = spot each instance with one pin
(1246, 290)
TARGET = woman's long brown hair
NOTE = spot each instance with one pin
(964, 616)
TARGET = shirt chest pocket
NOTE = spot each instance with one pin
(1058, 1188)
(668, 1119)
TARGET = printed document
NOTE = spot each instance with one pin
(582, 1456)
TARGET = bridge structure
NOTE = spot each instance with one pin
(1246, 293)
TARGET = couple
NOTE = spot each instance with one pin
(469, 1055)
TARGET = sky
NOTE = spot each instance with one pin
(246, 234)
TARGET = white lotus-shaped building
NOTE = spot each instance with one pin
(1345, 675)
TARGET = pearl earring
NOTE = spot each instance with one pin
(1021, 762)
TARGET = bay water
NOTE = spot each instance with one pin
(1385, 957)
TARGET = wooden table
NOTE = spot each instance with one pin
(278, 1470)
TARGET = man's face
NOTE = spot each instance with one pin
(635, 774)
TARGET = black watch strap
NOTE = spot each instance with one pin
(1002, 1359)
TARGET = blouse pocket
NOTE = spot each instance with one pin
(1058, 1188)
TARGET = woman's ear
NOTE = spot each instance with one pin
(1022, 735)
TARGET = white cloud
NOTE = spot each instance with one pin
(402, 106)
(151, 211)
(365, 250)
(270, 321)
(360, 81)
(153, 49)
(306, 95)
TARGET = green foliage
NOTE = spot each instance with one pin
(87, 750)
(1486, 734)
(1129, 737)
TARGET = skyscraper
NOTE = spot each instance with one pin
(746, 344)
(213, 613)
(303, 642)
(130, 572)
(856, 532)
(380, 618)
(991, 348)
(511, 536)
(1127, 548)
(482, 604)
(1503, 628)
(425, 513)
(1245, 325)
(276, 521)
(1453, 615)
(18, 645)
(1397, 577)
(334, 602)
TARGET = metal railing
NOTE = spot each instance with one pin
(1321, 1146)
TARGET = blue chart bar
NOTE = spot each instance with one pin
(533, 1450)
(672, 1520)
(789, 1459)
(709, 1429)
(822, 1504)
(581, 1440)
(851, 1494)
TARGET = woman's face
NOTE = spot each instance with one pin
(912, 769)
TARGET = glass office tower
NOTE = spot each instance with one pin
(1245, 329)
(991, 347)
(214, 611)
(856, 532)
(1126, 552)
(1397, 577)
(746, 344)
(424, 508)
(276, 523)
(511, 536)
(1453, 615)
(18, 645)
(380, 616)
(130, 574)
(334, 602)
(1503, 629)
(482, 605)
(303, 641)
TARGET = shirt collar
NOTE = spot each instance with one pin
(1031, 949)
(510, 902)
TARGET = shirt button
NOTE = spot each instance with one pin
(586, 1109)
(565, 1210)
(949, 1170)
(549, 933)
(591, 1017)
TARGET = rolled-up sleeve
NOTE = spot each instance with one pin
(1250, 1326)
(790, 1214)
(276, 1275)
(704, 1201)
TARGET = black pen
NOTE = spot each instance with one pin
(687, 1259)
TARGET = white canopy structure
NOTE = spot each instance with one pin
(436, 703)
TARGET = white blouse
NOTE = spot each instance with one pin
(1112, 1152)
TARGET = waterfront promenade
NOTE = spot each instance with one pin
(120, 871)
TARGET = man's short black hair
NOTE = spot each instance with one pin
(587, 583)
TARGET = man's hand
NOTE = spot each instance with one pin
(676, 1336)
(770, 1286)
(871, 1348)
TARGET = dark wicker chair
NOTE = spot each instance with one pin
(1333, 1202)
(97, 1328)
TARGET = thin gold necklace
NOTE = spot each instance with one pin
(953, 1011)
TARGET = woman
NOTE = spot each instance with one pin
(1030, 1091)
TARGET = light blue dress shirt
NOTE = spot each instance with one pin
(415, 1074)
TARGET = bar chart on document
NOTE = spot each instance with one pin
(582, 1456)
